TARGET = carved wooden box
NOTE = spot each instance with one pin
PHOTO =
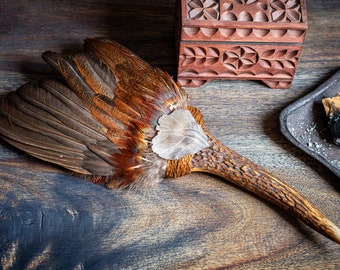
(239, 39)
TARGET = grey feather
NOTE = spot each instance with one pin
(178, 135)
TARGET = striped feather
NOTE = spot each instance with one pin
(102, 122)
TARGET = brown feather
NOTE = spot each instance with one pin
(68, 69)
(49, 122)
(99, 78)
(114, 98)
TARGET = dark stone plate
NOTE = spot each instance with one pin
(304, 124)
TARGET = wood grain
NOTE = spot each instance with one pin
(51, 219)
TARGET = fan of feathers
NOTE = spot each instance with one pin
(122, 123)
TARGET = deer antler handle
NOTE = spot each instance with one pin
(220, 160)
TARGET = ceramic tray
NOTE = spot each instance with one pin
(304, 124)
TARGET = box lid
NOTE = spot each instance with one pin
(243, 20)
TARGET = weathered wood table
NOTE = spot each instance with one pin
(52, 219)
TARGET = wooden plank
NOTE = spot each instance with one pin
(51, 219)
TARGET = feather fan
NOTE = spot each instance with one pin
(121, 123)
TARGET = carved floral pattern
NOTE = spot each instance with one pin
(279, 59)
(240, 57)
(242, 61)
(199, 56)
(286, 11)
(203, 9)
(252, 52)
(234, 10)
(239, 11)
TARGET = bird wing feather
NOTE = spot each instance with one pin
(102, 122)
(43, 122)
